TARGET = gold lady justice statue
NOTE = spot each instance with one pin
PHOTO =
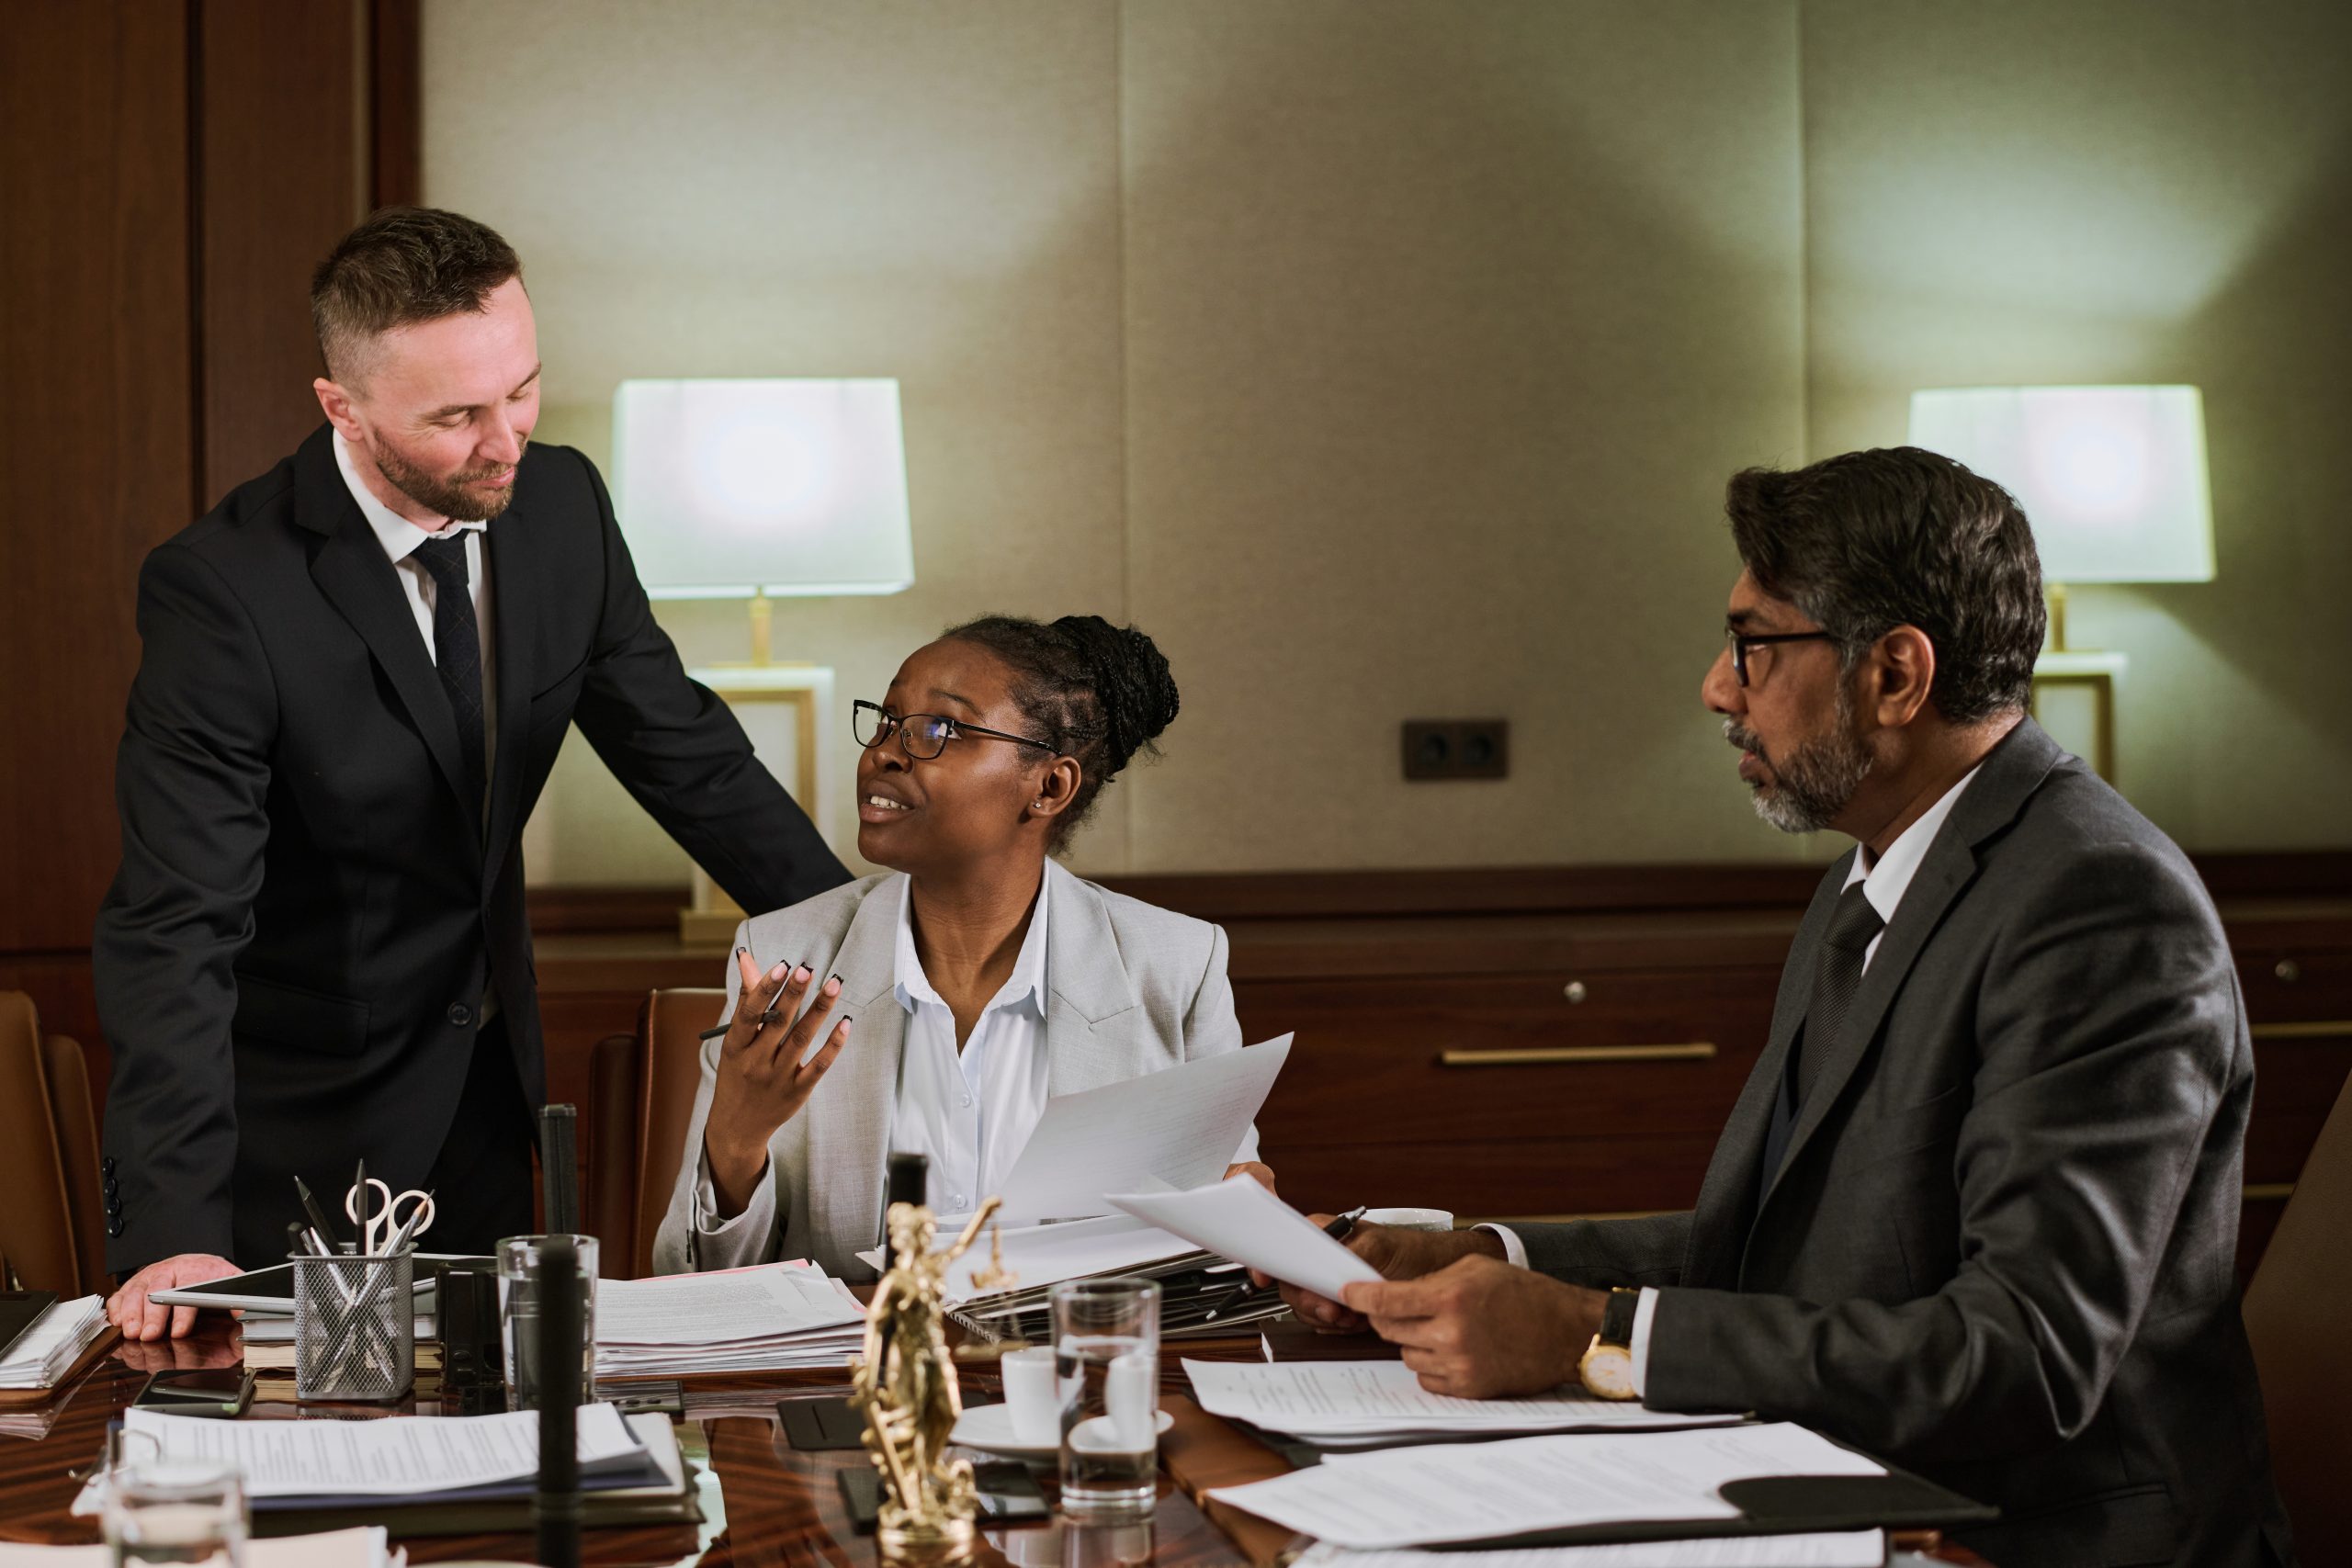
(906, 1385)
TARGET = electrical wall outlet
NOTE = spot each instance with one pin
(1457, 748)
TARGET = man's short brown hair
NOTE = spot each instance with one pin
(402, 265)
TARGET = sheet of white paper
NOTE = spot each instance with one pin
(1169, 1130)
(1459, 1491)
(1240, 1220)
(764, 1303)
(361, 1548)
(397, 1455)
(1840, 1548)
(1356, 1397)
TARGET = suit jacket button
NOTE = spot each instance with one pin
(460, 1014)
(106, 1167)
(114, 1227)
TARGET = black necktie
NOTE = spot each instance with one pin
(1852, 927)
(456, 650)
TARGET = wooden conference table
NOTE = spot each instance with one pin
(765, 1503)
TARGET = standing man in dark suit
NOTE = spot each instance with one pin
(1976, 1209)
(357, 671)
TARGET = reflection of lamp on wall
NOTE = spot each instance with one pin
(2112, 479)
(748, 488)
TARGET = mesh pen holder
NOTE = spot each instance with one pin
(355, 1326)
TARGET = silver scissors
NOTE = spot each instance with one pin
(384, 1216)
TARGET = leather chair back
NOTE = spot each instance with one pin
(2295, 1312)
(669, 1071)
(53, 1230)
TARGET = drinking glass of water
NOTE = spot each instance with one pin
(518, 1315)
(177, 1511)
(1106, 1356)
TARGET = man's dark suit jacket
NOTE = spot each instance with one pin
(290, 960)
(1998, 1250)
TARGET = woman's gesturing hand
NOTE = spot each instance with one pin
(765, 1073)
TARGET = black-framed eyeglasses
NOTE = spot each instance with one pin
(922, 735)
(1740, 642)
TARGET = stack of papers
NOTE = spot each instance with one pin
(401, 1460)
(363, 1548)
(774, 1317)
(1336, 1403)
(1470, 1492)
(47, 1351)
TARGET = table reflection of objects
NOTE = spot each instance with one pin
(764, 1502)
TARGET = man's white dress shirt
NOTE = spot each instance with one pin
(1884, 881)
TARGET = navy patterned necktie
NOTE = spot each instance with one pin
(1853, 925)
(457, 649)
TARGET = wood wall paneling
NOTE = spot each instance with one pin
(96, 443)
(284, 172)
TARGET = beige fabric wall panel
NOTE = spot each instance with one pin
(748, 187)
(1445, 325)
(2123, 190)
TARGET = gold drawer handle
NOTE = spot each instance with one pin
(2268, 1192)
(1548, 1056)
(2333, 1029)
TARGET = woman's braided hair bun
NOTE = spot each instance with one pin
(1132, 685)
(1099, 692)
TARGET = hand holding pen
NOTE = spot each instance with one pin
(766, 1070)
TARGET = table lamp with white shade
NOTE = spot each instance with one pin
(2113, 480)
(758, 488)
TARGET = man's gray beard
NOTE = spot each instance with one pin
(1813, 785)
(442, 498)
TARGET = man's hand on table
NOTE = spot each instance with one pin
(139, 1318)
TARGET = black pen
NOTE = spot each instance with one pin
(318, 1225)
(360, 1188)
(1339, 1229)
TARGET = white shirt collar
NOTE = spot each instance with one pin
(1885, 879)
(399, 537)
(1027, 984)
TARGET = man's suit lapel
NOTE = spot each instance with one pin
(849, 1116)
(514, 601)
(1092, 1013)
(2009, 775)
(364, 588)
(1719, 1222)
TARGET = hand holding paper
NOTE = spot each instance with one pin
(1240, 1220)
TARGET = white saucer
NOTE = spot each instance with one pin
(989, 1428)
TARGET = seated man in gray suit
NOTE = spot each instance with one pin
(982, 977)
(1975, 1210)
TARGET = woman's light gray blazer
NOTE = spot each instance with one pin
(1131, 989)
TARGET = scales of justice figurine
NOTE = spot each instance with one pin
(906, 1385)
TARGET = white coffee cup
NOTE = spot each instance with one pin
(1033, 1395)
(1410, 1219)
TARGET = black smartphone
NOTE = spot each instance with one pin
(1009, 1494)
(198, 1391)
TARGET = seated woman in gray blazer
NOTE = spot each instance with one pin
(981, 977)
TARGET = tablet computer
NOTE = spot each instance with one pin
(271, 1290)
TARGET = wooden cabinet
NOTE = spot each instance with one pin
(1530, 1043)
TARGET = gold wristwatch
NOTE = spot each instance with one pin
(1608, 1365)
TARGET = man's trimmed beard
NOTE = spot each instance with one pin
(1813, 785)
(444, 498)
